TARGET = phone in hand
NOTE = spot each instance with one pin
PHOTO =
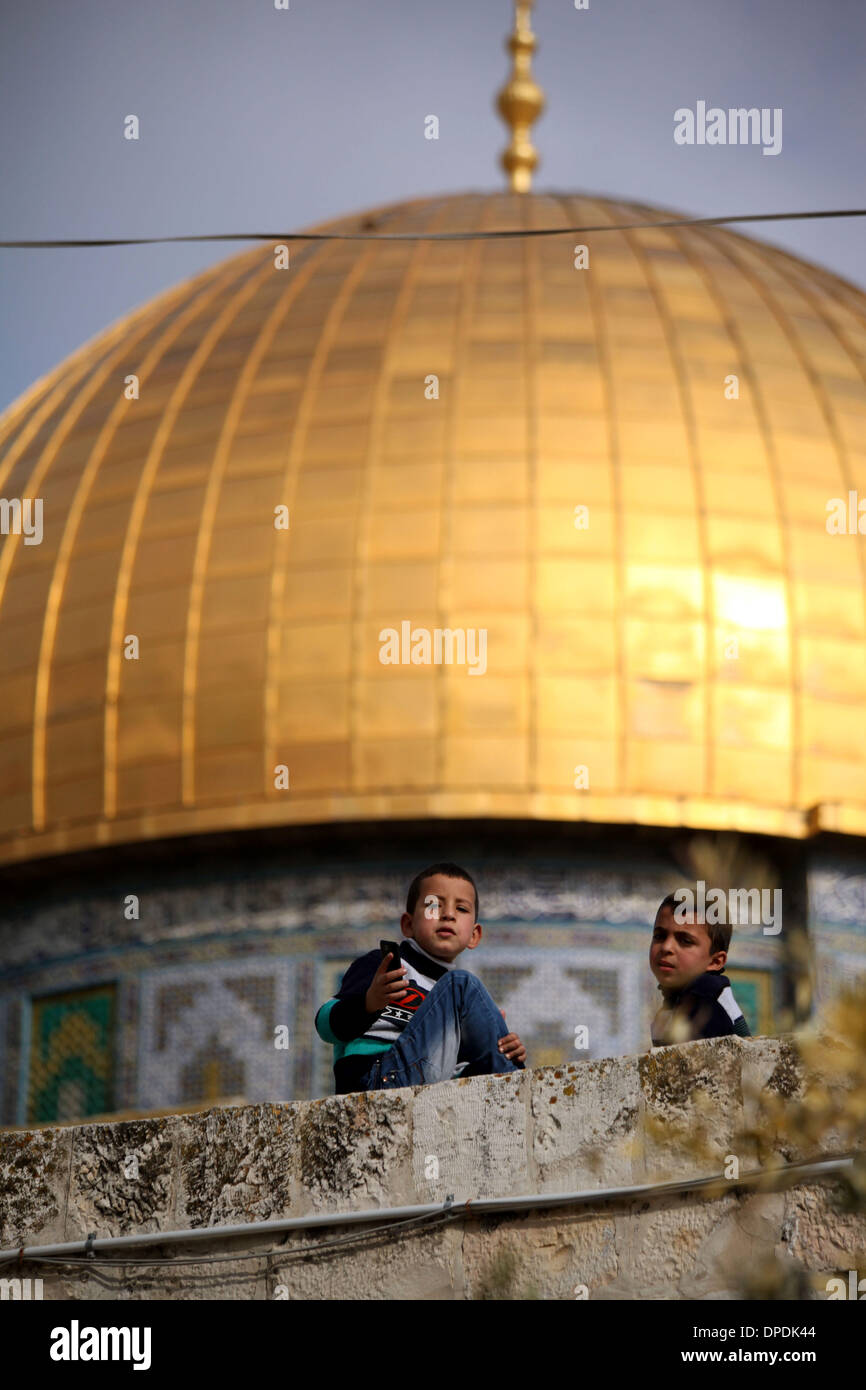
(390, 948)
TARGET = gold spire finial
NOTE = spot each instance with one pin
(520, 102)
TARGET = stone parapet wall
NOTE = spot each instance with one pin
(597, 1124)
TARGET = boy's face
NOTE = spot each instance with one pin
(681, 951)
(443, 922)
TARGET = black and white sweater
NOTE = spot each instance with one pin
(358, 1036)
(707, 1007)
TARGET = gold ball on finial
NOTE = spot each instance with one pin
(520, 102)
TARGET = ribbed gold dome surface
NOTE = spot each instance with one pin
(608, 647)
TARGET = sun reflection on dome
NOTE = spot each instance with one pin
(750, 602)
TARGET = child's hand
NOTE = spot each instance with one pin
(386, 987)
(512, 1047)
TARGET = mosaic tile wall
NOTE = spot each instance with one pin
(216, 963)
(7, 1083)
(205, 1034)
(71, 1071)
(837, 918)
(547, 995)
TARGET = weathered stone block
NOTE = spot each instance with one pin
(34, 1178)
(386, 1266)
(469, 1138)
(585, 1125)
(236, 1164)
(547, 1255)
(692, 1107)
(774, 1069)
(120, 1178)
(819, 1233)
(355, 1151)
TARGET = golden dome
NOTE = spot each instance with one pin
(699, 647)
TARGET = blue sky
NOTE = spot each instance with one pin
(257, 118)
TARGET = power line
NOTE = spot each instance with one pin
(275, 1256)
(440, 236)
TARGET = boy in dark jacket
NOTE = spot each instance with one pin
(416, 1020)
(687, 958)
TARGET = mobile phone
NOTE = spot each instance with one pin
(390, 948)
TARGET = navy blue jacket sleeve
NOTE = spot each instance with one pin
(349, 1018)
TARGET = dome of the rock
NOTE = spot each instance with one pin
(619, 472)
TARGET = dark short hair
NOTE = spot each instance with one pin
(450, 871)
(719, 932)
